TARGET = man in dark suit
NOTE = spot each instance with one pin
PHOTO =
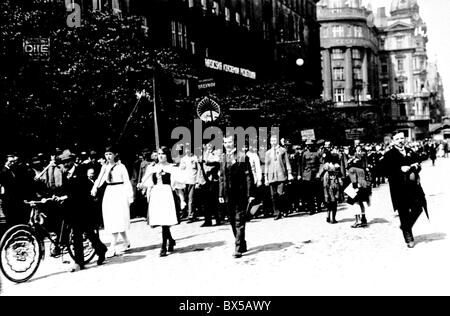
(78, 209)
(236, 190)
(11, 192)
(402, 167)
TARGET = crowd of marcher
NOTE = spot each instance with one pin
(226, 184)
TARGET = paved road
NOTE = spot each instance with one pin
(299, 255)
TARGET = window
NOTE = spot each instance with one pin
(357, 73)
(174, 33)
(401, 87)
(338, 31)
(402, 110)
(338, 73)
(227, 14)
(339, 95)
(266, 30)
(238, 18)
(358, 31)
(97, 5)
(116, 7)
(216, 8)
(385, 89)
(337, 54)
(400, 64)
(356, 54)
(179, 35)
(384, 69)
(358, 94)
(191, 3)
(400, 40)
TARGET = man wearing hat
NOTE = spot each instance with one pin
(310, 167)
(79, 209)
(402, 167)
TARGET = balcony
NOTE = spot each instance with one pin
(422, 117)
(325, 14)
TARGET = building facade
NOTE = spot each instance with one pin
(349, 48)
(262, 38)
(403, 66)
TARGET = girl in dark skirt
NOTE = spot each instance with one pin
(357, 173)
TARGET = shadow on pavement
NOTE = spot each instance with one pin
(199, 247)
(120, 260)
(48, 275)
(430, 238)
(269, 247)
(378, 221)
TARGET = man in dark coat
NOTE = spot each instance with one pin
(236, 190)
(78, 209)
(12, 193)
(402, 166)
(310, 167)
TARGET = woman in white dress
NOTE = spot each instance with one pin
(116, 200)
(162, 207)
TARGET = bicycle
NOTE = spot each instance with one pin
(22, 246)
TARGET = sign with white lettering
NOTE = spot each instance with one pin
(38, 49)
(218, 65)
(354, 133)
(308, 135)
(213, 64)
(206, 84)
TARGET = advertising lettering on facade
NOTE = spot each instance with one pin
(38, 49)
(218, 65)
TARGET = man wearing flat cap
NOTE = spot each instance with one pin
(79, 209)
(402, 167)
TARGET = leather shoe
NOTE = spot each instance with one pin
(206, 225)
(163, 253)
(278, 217)
(237, 254)
(411, 244)
(101, 258)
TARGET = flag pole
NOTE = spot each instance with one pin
(155, 115)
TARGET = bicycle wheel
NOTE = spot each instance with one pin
(20, 253)
(89, 251)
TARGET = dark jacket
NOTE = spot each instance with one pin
(235, 179)
(406, 190)
(79, 206)
(310, 165)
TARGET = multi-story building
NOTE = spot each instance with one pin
(349, 47)
(239, 39)
(436, 88)
(403, 66)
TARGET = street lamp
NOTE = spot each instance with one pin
(300, 62)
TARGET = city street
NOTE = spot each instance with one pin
(299, 255)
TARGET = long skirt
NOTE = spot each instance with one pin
(116, 209)
(162, 209)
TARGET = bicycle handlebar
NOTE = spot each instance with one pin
(43, 201)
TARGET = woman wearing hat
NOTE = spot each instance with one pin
(117, 198)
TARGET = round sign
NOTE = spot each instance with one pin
(208, 110)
